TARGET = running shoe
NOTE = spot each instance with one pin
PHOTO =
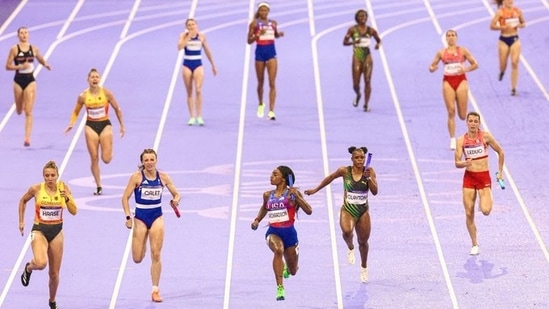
(25, 276)
(98, 191)
(53, 305)
(501, 76)
(513, 92)
(155, 296)
(363, 274)
(280, 295)
(200, 121)
(286, 272)
(357, 100)
(351, 256)
(261, 110)
(27, 142)
(366, 108)
(474, 250)
(272, 115)
(453, 143)
(192, 121)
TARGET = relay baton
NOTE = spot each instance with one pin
(175, 209)
(368, 160)
(500, 182)
(290, 180)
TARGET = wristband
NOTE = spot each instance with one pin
(128, 218)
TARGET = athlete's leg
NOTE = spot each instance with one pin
(291, 256)
(18, 96)
(347, 223)
(29, 95)
(469, 197)
(156, 240)
(39, 246)
(92, 142)
(462, 93)
(503, 53)
(105, 144)
(272, 68)
(356, 71)
(449, 95)
(515, 57)
(368, 67)
(260, 73)
(55, 255)
(486, 200)
(139, 240)
(198, 81)
(277, 246)
(188, 82)
(363, 229)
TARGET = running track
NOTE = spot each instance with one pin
(211, 259)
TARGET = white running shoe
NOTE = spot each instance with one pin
(474, 250)
(351, 256)
(363, 274)
(453, 143)
(261, 110)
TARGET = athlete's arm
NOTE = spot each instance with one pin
(377, 38)
(167, 181)
(117, 110)
(434, 65)
(41, 59)
(340, 172)
(491, 141)
(208, 54)
(252, 36)
(472, 61)
(31, 192)
(76, 111)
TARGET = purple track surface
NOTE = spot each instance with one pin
(211, 258)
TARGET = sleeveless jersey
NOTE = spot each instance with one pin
(48, 209)
(453, 62)
(149, 193)
(22, 57)
(97, 107)
(362, 48)
(280, 212)
(268, 37)
(193, 49)
(475, 148)
(356, 192)
(509, 17)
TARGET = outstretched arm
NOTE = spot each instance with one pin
(340, 172)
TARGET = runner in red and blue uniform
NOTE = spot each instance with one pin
(263, 31)
(280, 207)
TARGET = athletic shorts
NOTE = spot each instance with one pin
(477, 180)
(287, 234)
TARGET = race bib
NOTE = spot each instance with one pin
(97, 113)
(512, 22)
(49, 214)
(363, 42)
(356, 198)
(279, 215)
(269, 35)
(28, 70)
(453, 68)
(475, 152)
(151, 194)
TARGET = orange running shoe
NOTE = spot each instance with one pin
(155, 296)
